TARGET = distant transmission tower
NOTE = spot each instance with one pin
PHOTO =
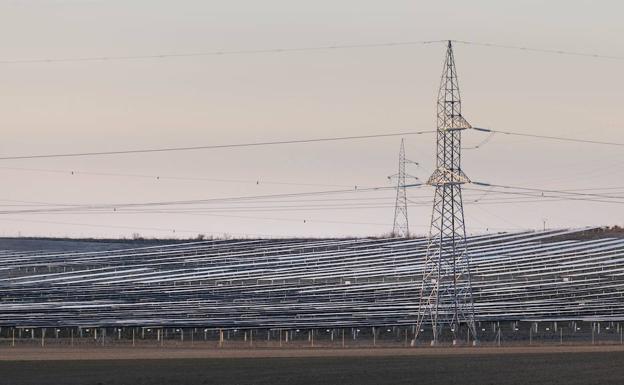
(446, 294)
(401, 221)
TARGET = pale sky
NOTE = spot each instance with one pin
(114, 105)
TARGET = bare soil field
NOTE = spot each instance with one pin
(501, 366)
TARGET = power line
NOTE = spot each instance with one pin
(277, 205)
(213, 147)
(257, 181)
(541, 50)
(213, 211)
(540, 190)
(270, 202)
(175, 231)
(159, 56)
(285, 142)
(293, 220)
(548, 137)
(481, 143)
(195, 201)
(272, 209)
(562, 194)
(220, 52)
(168, 230)
(257, 199)
(269, 209)
(300, 220)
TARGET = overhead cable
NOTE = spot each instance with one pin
(218, 52)
(541, 50)
(214, 146)
(549, 137)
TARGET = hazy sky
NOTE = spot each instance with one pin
(112, 105)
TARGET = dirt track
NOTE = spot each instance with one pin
(116, 353)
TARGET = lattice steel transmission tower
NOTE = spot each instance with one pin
(446, 293)
(401, 221)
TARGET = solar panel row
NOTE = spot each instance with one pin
(307, 283)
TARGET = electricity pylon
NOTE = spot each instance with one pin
(400, 228)
(446, 293)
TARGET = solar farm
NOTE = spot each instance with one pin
(308, 284)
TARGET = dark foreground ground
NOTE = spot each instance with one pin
(472, 368)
